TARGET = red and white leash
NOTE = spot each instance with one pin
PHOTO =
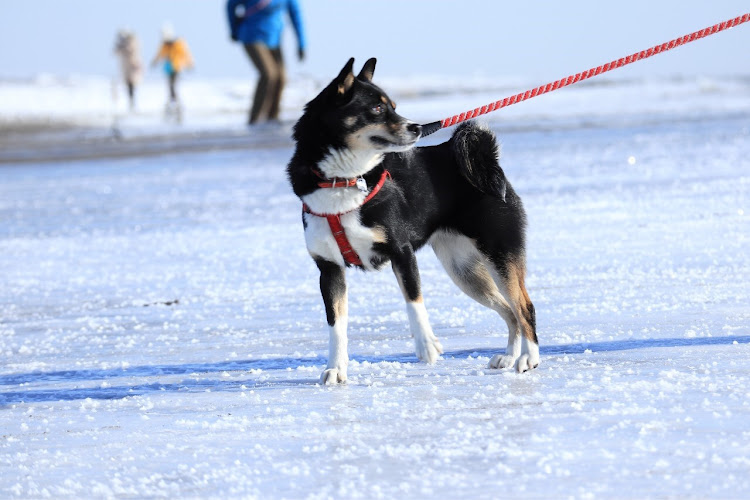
(433, 127)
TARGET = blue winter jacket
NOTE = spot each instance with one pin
(262, 21)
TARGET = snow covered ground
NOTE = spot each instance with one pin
(162, 334)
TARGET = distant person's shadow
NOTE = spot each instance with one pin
(214, 385)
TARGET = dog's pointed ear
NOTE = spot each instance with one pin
(368, 70)
(345, 80)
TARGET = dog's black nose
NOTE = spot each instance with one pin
(414, 128)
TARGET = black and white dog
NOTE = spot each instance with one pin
(369, 198)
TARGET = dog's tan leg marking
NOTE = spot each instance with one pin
(512, 286)
(378, 234)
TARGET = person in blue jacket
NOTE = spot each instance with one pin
(258, 24)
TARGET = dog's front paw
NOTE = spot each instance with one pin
(333, 376)
(527, 362)
(500, 361)
(428, 348)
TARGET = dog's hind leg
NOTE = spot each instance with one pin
(426, 344)
(469, 270)
(510, 278)
(333, 289)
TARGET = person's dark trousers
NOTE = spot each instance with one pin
(173, 86)
(270, 65)
(131, 92)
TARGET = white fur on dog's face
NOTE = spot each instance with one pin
(349, 162)
(362, 154)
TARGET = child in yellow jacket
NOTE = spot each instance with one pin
(176, 56)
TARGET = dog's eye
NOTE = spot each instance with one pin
(378, 108)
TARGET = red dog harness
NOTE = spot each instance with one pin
(334, 220)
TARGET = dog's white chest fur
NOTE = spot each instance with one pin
(345, 201)
(321, 243)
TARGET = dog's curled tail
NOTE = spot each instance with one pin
(476, 151)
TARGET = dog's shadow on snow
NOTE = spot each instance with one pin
(199, 383)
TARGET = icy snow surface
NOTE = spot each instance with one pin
(162, 333)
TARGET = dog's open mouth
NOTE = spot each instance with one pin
(383, 142)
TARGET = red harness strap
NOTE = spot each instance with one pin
(337, 229)
(334, 220)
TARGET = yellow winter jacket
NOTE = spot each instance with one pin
(176, 53)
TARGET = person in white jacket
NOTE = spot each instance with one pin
(128, 52)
